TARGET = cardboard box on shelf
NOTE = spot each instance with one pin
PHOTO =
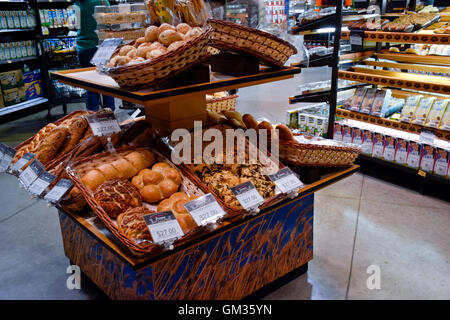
(401, 151)
(11, 96)
(11, 79)
(441, 166)
(33, 90)
(437, 113)
(427, 158)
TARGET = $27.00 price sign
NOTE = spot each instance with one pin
(204, 209)
(163, 226)
(103, 124)
(58, 190)
(286, 180)
(247, 195)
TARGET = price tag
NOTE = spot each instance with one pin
(105, 51)
(135, 114)
(427, 136)
(286, 180)
(31, 173)
(103, 124)
(8, 156)
(58, 190)
(247, 195)
(41, 183)
(17, 167)
(204, 209)
(163, 226)
(357, 40)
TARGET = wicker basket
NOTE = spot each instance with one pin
(222, 104)
(142, 247)
(165, 67)
(303, 154)
(270, 49)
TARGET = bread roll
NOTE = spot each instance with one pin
(284, 132)
(394, 49)
(175, 45)
(145, 44)
(152, 54)
(192, 34)
(235, 118)
(125, 49)
(157, 45)
(169, 36)
(139, 41)
(132, 53)
(183, 28)
(122, 60)
(250, 122)
(151, 33)
(165, 26)
(176, 204)
(142, 52)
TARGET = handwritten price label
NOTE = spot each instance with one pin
(204, 209)
(247, 195)
(58, 190)
(286, 180)
(163, 227)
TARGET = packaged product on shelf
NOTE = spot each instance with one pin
(357, 136)
(381, 103)
(401, 150)
(445, 122)
(33, 89)
(427, 158)
(302, 121)
(441, 166)
(2, 102)
(9, 19)
(437, 113)
(321, 125)
(11, 79)
(22, 95)
(23, 19)
(355, 104)
(2, 52)
(389, 148)
(16, 19)
(23, 48)
(367, 142)
(378, 145)
(414, 153)
(347, 134)
(12, 50)
(337, 132)
(368, 101)
(3, 20)
(18, 49)
(292, 119)
(423, 110)
(31, 19)
(412, 102)
(11, 96)
(6, 51)
(394, 106)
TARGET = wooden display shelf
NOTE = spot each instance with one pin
(414, 58)
(228, 263)
(409, 66)
(398, 80)
(393, 124)
(401, 37)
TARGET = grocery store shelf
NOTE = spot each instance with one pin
(393, 124)
(398, 80)
(401, 37)
(23, 108)
(414, 58)
(18, 60)
(322, 96)
(408, 66)
(327, 21)
(47, 1)
(3, 31)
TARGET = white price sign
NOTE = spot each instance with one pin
(105, 51)
(247, 195)
(17, 167)
(103, 124)
(204, 209)
(427, 136)
(40, 184)
(8, 156)
(2, 149)
(58, 190)
(31, 173)
(163, 227)
(286, 180)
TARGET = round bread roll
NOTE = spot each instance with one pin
(183, 28)
(394, 49)
(411, 50)
(168, 36)
(136, 60)
(250, 122)
(165, 26)
(151, 33)
(284, 132)
(176, 204)
(158, 183)
(132, 53)
(145, 44)
(125, 49)
(157, 45)
(175, 45)
(117, 196)
(139, 41)
(193, 33)
(154, 53)
(122, 60)
(142, 52)
(132, 224)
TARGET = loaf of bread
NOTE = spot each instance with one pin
(32, 145)
(76, 131)
(176, 204)
(158, 183)
(117, 196)
(250, 122)
(47, 148)
(284, 133)
(122, 167)
(131, 223)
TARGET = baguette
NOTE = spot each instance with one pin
(76, 131)
(48, 147)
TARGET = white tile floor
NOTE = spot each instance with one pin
(358, 222)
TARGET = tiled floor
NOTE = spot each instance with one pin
(358, 222)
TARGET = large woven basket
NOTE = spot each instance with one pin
(222, 104)
(302, 154)
(138, 248)
(165, 67)
(270, 49)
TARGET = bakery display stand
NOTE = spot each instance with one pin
(231, 262)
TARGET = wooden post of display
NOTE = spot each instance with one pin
(180, 112)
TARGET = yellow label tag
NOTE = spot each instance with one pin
(9, 61)
(422, 173)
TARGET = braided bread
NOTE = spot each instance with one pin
(158, 183)
(32, 145)
(117, 196)
(176, 204)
